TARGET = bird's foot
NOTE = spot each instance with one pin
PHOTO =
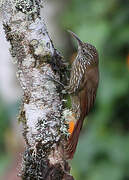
(51, 78)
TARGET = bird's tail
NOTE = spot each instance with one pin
(70, 147)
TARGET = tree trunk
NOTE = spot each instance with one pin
(42, 112)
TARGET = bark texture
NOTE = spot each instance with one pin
(44, 125)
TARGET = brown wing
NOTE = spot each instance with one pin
(88, 93)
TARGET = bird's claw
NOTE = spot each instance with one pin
(53, 79)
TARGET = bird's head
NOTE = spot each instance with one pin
(85, 49)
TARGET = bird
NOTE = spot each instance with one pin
(82, 87)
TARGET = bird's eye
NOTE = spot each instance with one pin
(83, 51)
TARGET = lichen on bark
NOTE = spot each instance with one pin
(44, 128)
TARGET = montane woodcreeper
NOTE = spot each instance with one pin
(83, 84)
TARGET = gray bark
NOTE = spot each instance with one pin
(42, 113)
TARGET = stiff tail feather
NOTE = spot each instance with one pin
(73, 140)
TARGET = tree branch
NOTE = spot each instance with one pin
(44, 126)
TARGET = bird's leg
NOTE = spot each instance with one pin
(75, 106)
(49, 77)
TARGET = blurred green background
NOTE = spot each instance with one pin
(103, 149)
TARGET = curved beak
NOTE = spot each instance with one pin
(76, 37)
